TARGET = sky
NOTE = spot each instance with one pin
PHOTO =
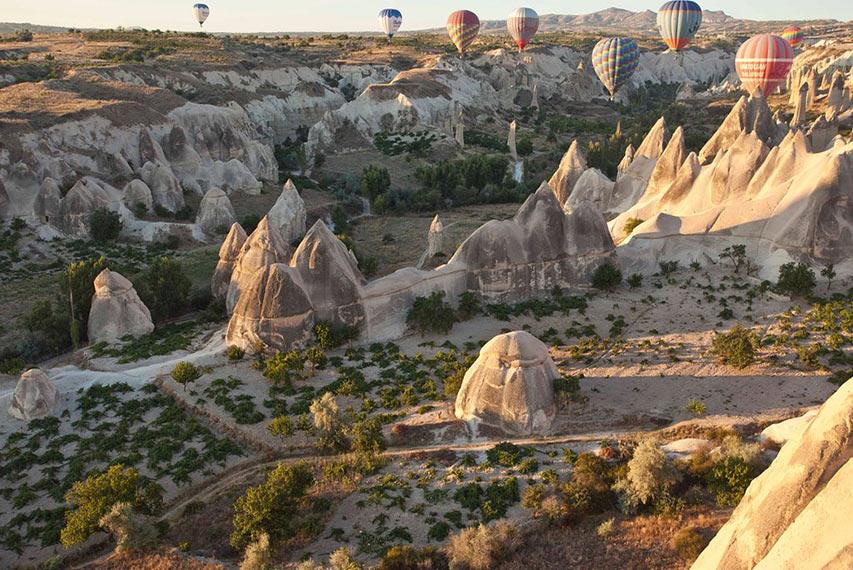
(358, 15)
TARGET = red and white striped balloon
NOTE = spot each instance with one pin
(522, 25)
(763, 62)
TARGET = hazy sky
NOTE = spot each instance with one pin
(357, 15)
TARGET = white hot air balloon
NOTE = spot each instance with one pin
(201, 12)
(390, 19)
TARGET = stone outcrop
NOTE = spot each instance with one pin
(215, 212)
(137, 192)
(330, 275)
(48, 201)
(264, 247)
(75, 209)
(633, 178)
(542, 247)
(594, 187)
(510, 386)
(288, 214)
(572, 166)
(796, 513)
(273, 310)
(510, 140)
(229, 251)
(34, 397)
(117, 311)
(749, 115)
(802, 106)
(435, 239)
(166, 191)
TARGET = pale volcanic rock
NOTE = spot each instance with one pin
(796, 513)
(117, 311)
(822, 133)
(330, 275)
(668, 164)
(5, 202)
(572, 165)
(784, 431)
(137, 192)
(802, 106)
(510, 141)
(435, 238)
(273, 311)
(626, 161)
(35, 396)
(511, 386)
(75, 209)
(594, 187)
(264, 247)
(215, 212)
(632, 181)
(166, 191)
(48, 201)
(288, 213)
(229, 251)
(749, 115)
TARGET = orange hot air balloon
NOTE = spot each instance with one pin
(463, 27)
(763, 62)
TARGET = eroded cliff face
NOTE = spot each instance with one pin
(542, 247)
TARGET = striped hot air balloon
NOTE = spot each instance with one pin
(614, 61)
(793, 35)
(678, 22)
(390, 19)
(763, 62)
(463, 27)
(201, 12)
(522, 25)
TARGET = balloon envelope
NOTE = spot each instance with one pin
(390, 19)
(614, 61)
(763, 62)
(793, 35)
(201, 12)
(678, 22)
(463, 27)
(523, 24)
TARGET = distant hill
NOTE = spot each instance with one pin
(7, 28)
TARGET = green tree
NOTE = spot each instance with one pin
(316, 358)
(185, 372)
(78, 286)
(272, 506)
(828, 273)
(737, 255)
(606, 277)
(281, 426)
(375, 181)
(105, 225)
(165, 288)
(431, 314)
(736, 347)
(91, 499)
(366, 436)
(796, 279)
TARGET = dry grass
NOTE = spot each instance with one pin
(166, 560)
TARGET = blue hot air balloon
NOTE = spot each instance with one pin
(201, 12)
(390, 19)
(614, 61)
(678, 22)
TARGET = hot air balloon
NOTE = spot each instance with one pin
(793, 34)
(678, 21)
(391, 19)
(614, 61)
(763, 62)
(463, 27)
(201, 12)
(522, 25)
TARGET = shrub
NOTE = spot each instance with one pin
(366, 436)
(271, 507)
(91, 499)
(650, 475)
(431, 314)
(375, 181)
(796, 279)
(688, 543)
(104, 225)
(630, 225)
(606, 277)
(439, 531)
(250, 222)
(605, 528)
(409, 558)
(736, 347)
(696, 407)
(316, 358)
(635, 280)
(235, 353)
(325, 413)
(483, 547)
(281, 426)
(453, 383)
(729, 479)
(258, 554)
(737, 255)
(328, 336)
(469, 305)
(165, 288)
(132, 530)
(185, 372)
